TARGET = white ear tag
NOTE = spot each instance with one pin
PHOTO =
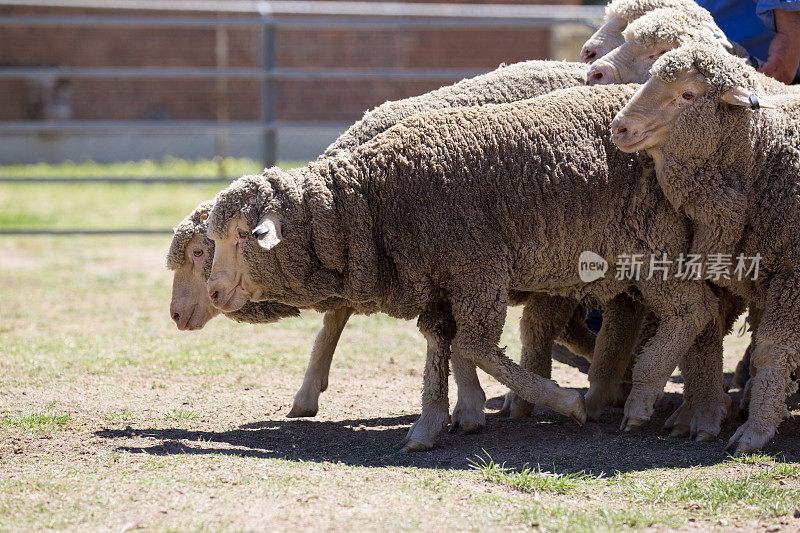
(269, 233)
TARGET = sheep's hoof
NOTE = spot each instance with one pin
(301, 412)
(521, 409)
(748, 440)
(680, 430)
(579, 412)
(745, 449)
(597, 398)
(594, 409)
(515, 407)
(409, 445)
(704, 436)
(468, 428)
(631, 422)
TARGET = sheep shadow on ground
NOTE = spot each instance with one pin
(546, 438)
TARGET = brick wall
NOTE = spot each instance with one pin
(340, 100)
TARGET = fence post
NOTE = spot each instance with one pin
(268, 96)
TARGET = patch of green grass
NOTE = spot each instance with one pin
(749, 494)
(751, 458)
(558, 518)
(41, 421)
(119, 416)
(111, 206)
(180, 414)
(528, 479)
(169, 167)
(785, 471)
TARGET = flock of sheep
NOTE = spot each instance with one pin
(450, 206)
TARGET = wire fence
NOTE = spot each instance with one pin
(267, 17)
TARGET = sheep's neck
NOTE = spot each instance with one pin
(657, 156)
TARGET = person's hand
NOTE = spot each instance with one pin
(784, 51)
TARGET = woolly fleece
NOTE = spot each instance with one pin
(741, 170)
(471, 203)
(508, 83)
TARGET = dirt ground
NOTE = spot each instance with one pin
(110, 419)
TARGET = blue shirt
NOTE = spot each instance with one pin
(749, 22)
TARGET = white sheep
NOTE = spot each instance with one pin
(458, 208)
(733, 167)
(544, 319)
(621, 13)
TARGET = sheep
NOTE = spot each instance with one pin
(648, 38)
(653, 34)
(733, 167)
(620, 13)
(190, 256)
(461, 206)
(508, 83)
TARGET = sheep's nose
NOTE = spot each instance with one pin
(619, 129)
(175, 311)
(177, 314)
(599, 74)
(594, 77)
(215, 289)
(588, 55)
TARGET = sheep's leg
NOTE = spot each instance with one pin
(646, 332)
(437, 327)
(742, 374)
(654, 366)
(618, 334)
(681, 319)
(543, 317)
(315, 381)
(776, 355)
(479, 309)
(770, 387)
(468, 414)
(705, 404)
(577, 338)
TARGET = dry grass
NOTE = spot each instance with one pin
(111, 419)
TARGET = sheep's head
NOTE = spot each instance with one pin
(252, 224)
(651, 36)
(606, 38)
(619, 14)
(687, 102)
(189, 257)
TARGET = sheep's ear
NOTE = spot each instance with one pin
(717, 33)
(740, 96)
(269, 232)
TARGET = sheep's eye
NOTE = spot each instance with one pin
(243, 234)
(687, 96)
(197, 253)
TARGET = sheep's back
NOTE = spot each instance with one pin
(537, 171)
(510, 83)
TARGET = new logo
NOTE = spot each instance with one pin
(591, 267)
